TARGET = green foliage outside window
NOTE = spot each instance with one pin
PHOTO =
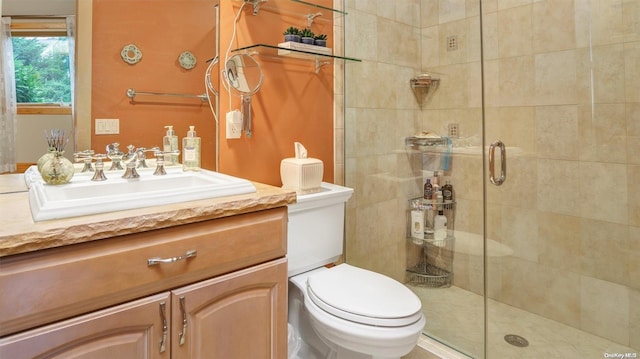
(42, 69)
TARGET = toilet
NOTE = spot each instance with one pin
(341, 312)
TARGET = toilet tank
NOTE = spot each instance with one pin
(316, 228)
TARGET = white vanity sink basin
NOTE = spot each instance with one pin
(82, 196)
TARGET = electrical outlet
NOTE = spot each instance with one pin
(107, 126)
(454, 130)
(452, 43)
(234, 124)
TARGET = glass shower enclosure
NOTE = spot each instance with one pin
(547, 264)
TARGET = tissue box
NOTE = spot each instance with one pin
(303, 175)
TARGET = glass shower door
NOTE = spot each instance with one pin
(562, 233)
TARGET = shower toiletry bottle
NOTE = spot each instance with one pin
(170, 143)
(191, 151)
(417, 225)
(447, 192)
(440, 228)
(435, 183)
(428, 189)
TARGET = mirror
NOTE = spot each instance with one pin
(81, 122)
(243, 76)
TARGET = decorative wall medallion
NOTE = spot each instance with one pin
(131, 54)
(187, 60)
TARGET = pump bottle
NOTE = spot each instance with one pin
(170, 144)
(191, 151)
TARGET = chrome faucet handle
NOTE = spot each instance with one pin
(130, 172)
(160, 161)
(116, 161)
(86, 156)
(132, 152)
(142, 157)
(99, 173)
(115, 155)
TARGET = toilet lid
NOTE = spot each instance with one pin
(364, 296)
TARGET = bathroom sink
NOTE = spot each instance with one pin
(82, 196)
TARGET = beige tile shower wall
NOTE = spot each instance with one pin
(380, 111)
(561, 82)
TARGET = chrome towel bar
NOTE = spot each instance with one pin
(131, 93)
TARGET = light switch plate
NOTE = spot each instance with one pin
(107, 126)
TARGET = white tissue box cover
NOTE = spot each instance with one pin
(303, 175)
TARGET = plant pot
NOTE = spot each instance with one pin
(322, 43)
(292, 38)
(307, 40)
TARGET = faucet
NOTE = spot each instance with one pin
(136, 159)
(115, 155)
(87, 156)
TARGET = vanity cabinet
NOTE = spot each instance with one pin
(220, 293)
(128, 331)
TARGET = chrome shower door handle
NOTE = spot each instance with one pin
(503, 163)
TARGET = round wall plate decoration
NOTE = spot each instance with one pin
(187, 60)
(131, 54)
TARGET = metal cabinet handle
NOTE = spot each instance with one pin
(503, 163)
(165, 327)
(183, 334)
(157, 260)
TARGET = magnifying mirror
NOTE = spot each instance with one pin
(212, 70)
(243, 77)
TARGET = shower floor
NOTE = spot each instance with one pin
(455, 317)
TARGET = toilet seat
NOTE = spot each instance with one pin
(364, 297)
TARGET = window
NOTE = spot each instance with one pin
(41, 61)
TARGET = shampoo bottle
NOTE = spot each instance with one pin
(447, 192)
(417, 225)
(170, 143)
(428, 189)
(191, 151)
(435, 182)
(440, 228)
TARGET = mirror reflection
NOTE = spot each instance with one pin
(101, 81)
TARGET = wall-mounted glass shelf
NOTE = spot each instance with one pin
(276, 51)
(264, 5)
(319, 6)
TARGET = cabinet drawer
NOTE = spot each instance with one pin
(45, 286)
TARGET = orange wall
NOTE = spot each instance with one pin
(294, 103)
(161, 30)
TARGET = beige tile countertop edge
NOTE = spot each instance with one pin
(20, 234)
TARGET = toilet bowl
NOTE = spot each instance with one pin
(342, 312)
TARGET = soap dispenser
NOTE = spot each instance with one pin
(170, 144)
(191, 151)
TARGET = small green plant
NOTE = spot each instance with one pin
(292, 31)
(320, 37)
(306, 32)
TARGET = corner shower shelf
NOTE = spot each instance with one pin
(420, 142)
(276, 52)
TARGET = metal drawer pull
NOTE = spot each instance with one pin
(182, 335)
(503, 163)
(157, 260)
(165, 328)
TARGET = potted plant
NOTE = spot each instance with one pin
(307, 36)
(292, 34)
(320, 40)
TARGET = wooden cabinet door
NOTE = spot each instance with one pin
(132, 330)
(240, 315)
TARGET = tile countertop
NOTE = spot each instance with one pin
(20, 234)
